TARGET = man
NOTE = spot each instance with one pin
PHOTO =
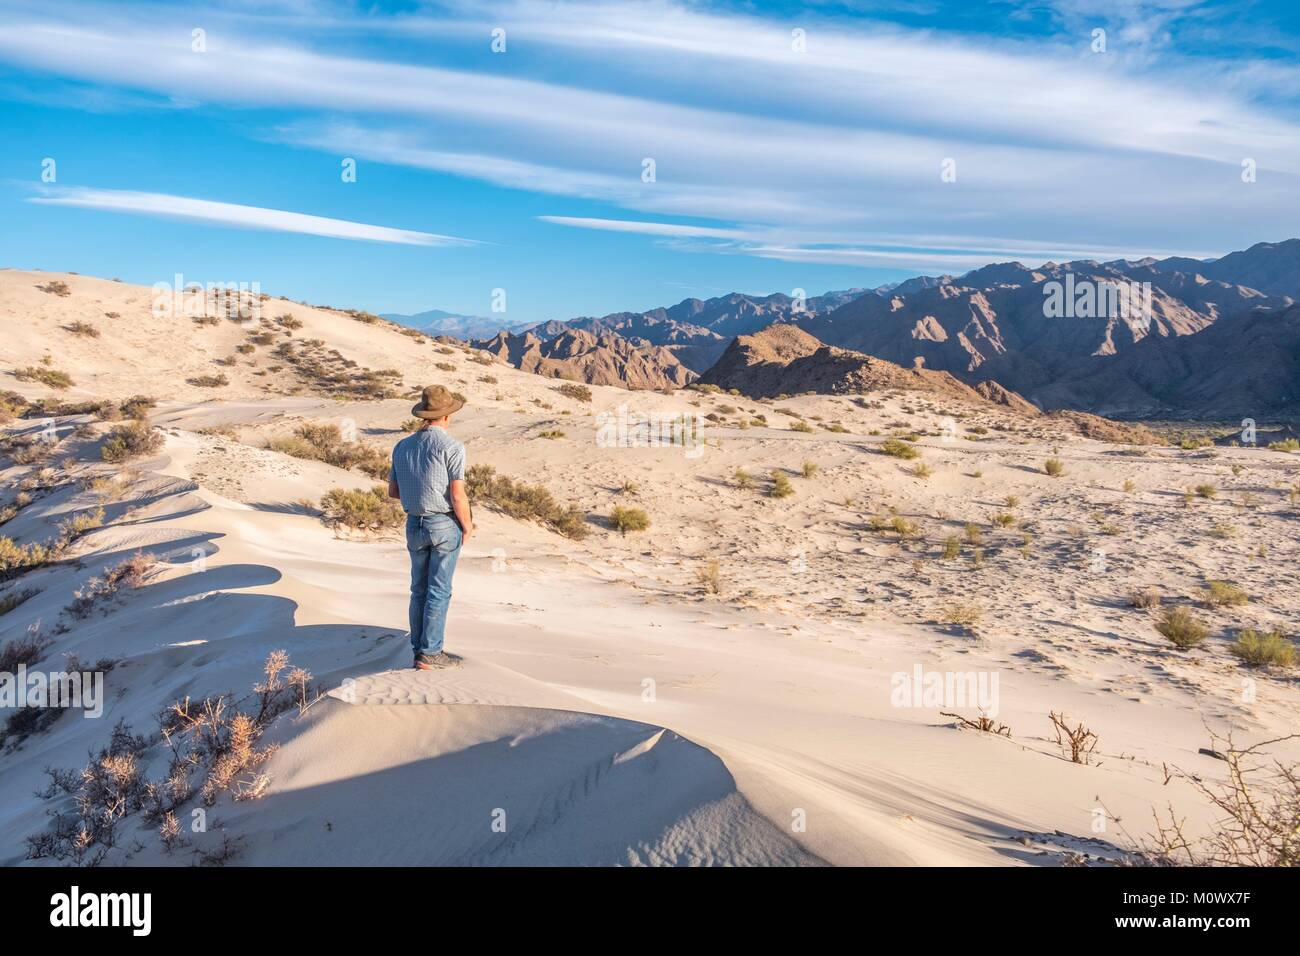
(428, 477)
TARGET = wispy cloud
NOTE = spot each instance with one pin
(813, 153)
(238, 216)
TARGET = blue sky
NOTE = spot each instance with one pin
(795, 146)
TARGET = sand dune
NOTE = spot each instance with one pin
(616, 709)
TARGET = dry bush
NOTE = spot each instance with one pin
(1259, 815)
(325, 443)
(1223, 594)
(922, 470)
(1183, 628)
(518, 500)
(983, 723)
(361, 510)
(898, 449)
(623, 519)
(951, 548)
(56, 287)
(51, 377)
(131, 440)
(742, 478)
(1054, 467)
(809, 468)
(13, 599)
(131, 573)
(209, 381)
(781, 487)
(1146, 598)
(213, 747)
(709, 577)
(26, 650)
(1268, 649)
(579, 393)
(1078, 741)
(84, 329)
(961, 613)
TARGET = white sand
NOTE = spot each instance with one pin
(614, 711)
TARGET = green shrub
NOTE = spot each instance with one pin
(1183, 628)
(1263, 650)
(46, 376)
(1223, 594)
(624, 520)
(898, 449)
(362, 509)
(518, 500)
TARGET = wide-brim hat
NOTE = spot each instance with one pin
(435, 402)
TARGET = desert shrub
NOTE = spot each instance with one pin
(209, 381)
(17, 558)
(951, 548)
(130, 573)
(287, 321)
(1146, 598)
(1078, 741)
(84, 329)
(324, 442)
(1286, 444)
(1223, 594)
(709, 577)
(781, 487)
(1004, 519)
(922, 470)
(579, 393)
(244, 348)
(51, 377)
(26, 650)
(1054, 467)
(56, 287)
(552, 434)
(898, 449)
(361, 509)
(973, 533)
(131, 440)
(800, 426)
(904, 527)
(518, 500)
(1256, 824)
(1183, 628)
(137, 406)
(742, 478)
(962, 613)
(1263, 649)
(213, 747)
(624, 519)
(809, 468)
(1206, 490)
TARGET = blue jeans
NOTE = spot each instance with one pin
(434, 543)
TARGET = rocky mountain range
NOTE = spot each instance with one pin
(600, 358)
(1145, 338)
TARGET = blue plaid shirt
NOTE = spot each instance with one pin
(424, 466)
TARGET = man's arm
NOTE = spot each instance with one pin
(460, 505)
(392, 488)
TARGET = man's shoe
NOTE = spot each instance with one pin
(433, 662)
